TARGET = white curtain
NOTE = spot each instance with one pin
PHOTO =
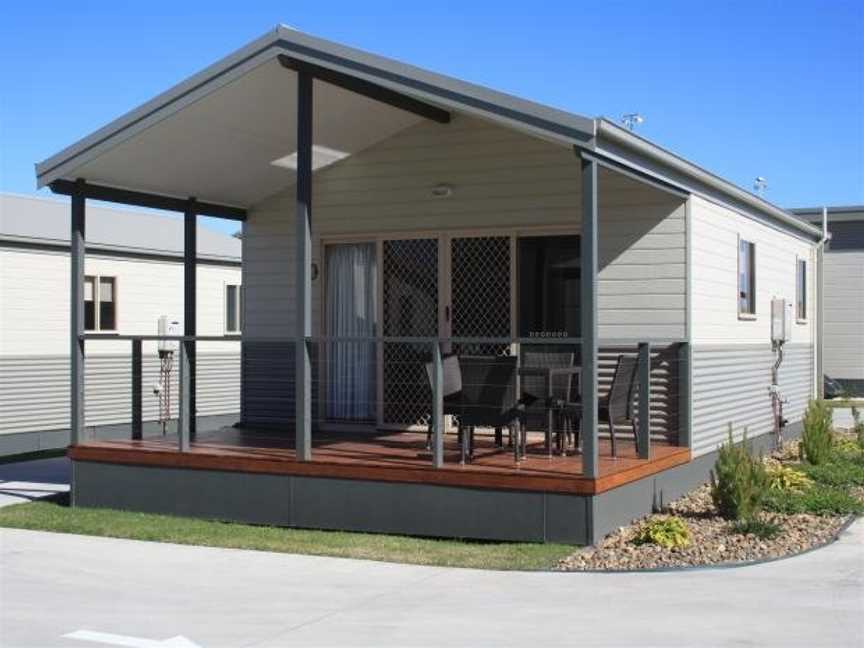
(351, 294)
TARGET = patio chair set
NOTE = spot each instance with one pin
(539, 390)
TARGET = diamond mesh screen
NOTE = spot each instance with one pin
(480, 271)
(410, 299)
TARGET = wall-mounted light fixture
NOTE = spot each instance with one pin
(442, 191)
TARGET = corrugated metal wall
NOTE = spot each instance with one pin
(269, 380)
(730, 385)
(34, 390)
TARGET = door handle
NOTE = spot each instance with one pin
(447, 314)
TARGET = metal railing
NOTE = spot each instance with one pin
(436, 348)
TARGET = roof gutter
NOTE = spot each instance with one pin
(625, 138)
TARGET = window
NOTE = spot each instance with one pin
(233, 308)
(100, 303)
(746, 278)
(801, 290)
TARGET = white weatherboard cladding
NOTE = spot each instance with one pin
(34, 338)
(34, 292)
(844, 315)
(715, 275)
(732, 357)
(501, 180)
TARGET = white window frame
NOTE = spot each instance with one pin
(742, 314)
(238, 305)
(97, 282)
(798, 291)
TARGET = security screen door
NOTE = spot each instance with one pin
(470, 298)
(410, 298)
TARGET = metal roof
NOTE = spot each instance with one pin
(556, 125)
(41, 220)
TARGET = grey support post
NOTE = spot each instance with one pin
(190, 298)
(303, 389)
(437, 406)
(136, 388)
(77, 431)
(185, 415)
(644, 432)
(588, 285)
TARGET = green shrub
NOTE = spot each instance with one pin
(762, 529)
(837, 472)
(784, 478)
(821, 499)
(817, 439)
(669, 532)
(738, 481)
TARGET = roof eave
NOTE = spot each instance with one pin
(614, 132)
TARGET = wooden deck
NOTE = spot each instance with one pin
(388, 456)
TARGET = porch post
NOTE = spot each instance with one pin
(588, 285)
(437, 406)
(303, 388)
(77, 431)
(137, 380)
(644, 432)
(190, 300)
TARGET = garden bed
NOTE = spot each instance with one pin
(792, 520)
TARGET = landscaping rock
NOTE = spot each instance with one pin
(713, 540)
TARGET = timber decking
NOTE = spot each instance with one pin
(389, 457)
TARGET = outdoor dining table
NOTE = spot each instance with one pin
(548, 374)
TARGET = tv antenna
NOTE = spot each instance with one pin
(760, 184)
(632, 120)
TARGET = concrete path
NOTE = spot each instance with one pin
(54, 585)
(29, 480)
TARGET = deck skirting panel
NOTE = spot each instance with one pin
(335, 504)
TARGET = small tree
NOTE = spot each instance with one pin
(817, 439)
(738, 481)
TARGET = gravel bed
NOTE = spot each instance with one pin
(711, 540)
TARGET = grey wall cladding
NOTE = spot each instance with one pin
(268, 383)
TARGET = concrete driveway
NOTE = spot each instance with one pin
(66, 590)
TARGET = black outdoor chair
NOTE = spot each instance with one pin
(534, 398)
(486, 398)
(616, 408)
(451, 380)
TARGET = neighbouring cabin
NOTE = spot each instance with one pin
(464, 314)
(133, 275)
(842, 295)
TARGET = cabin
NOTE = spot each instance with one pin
(842, 294)
(133, 276)
(465, 314)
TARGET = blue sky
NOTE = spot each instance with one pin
(743, 88)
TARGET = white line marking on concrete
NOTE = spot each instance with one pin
(131, 642)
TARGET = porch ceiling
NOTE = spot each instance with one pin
(215, 135)
(221, 147)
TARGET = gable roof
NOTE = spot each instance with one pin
(38, 220)
(217, 100)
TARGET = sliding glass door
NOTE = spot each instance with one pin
(549, 291)
(490, 286)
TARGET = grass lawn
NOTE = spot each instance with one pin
(53, 516)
